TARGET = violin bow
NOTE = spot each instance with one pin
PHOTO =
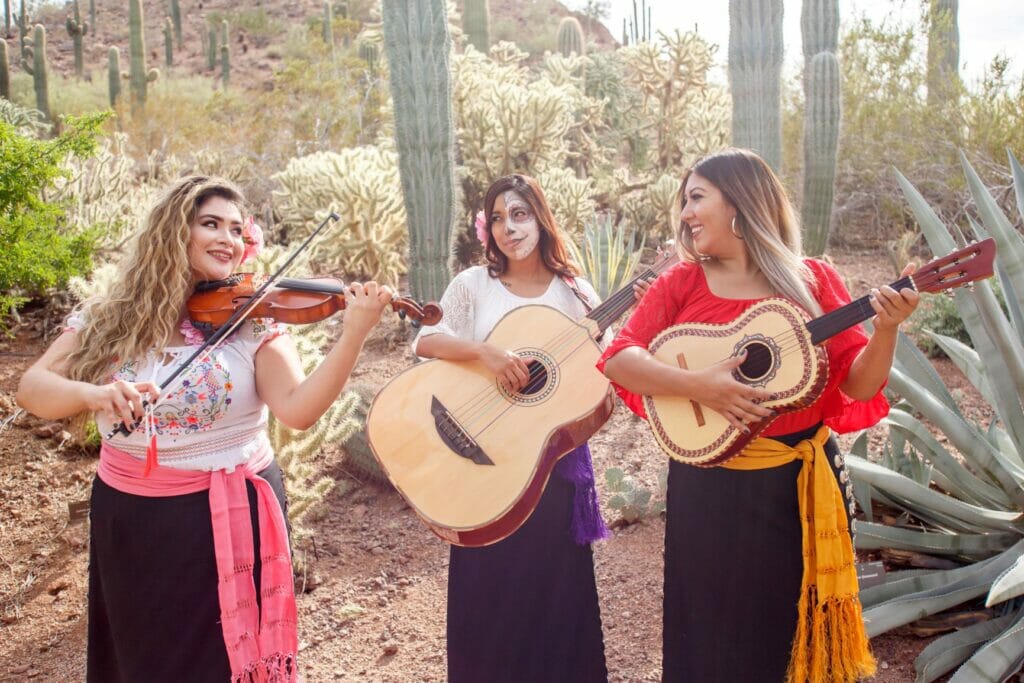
(228, 327)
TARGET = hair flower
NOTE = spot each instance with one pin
(252, 236)
(481, 227)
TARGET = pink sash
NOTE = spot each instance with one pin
(261, 647)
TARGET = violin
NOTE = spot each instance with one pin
(291, 301)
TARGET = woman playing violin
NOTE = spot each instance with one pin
(189, 569)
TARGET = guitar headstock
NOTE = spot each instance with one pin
(667, 257)
(973, 262)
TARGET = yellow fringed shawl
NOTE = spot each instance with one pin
(830, 645)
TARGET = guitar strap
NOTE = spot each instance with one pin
(571, 282)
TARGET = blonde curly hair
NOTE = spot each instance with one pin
(143, 307)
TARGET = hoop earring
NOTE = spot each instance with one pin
(735, 233)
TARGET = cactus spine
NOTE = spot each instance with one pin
(77, 29)
(168, 42)
(822, 89)
(755, 74)
(943, 50)
(140, 76)
(38, 69)
(176, 20)
(418, 46)
(476, 24)
(114, 75)
(570, 37)
(5, 72)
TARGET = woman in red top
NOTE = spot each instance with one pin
(742, 602)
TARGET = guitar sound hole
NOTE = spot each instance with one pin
(758, 363)
(538, 378)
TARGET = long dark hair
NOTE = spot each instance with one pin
(765, 220)
(551, 245)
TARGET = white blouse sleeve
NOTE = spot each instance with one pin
(457, 309)
(592, 296)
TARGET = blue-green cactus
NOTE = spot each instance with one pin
(755, 76)
(819, 21)
(476, 24)
(114, 75)
(943, 50)
(36, 52)
(5, 72)
(140, 77)
(176, 20)
(418, 48)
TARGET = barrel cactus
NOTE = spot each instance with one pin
(77, 29)
(755, 76)
(418, 45)
(822, 89)
(570, 37)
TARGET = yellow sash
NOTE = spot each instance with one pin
(830, 643)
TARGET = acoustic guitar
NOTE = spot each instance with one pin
(784, 356)
(471, 458)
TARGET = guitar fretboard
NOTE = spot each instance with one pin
(834, 322)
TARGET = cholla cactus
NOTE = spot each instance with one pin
(652, 206)
(571, 198)
(362, 185)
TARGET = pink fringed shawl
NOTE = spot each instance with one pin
(261, 644)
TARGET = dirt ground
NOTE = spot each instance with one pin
(376, 578)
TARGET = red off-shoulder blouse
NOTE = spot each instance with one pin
(681, 294)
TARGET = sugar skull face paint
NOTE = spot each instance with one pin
(514, 226)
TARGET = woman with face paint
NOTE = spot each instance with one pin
(525, 608)
(760, 583)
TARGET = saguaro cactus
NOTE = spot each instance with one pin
(943, 50)
(476, 24)
(23, 23)
(418, 46)
(5, 72)
(168, 42)
(38, 68)
(114, 75)
(225, 65)
(368, 53)
(92, 12)
(77, 29)
(176, 20)
(140, 76)
(819, 21)
(7, 17)
(329, 25)
(570, 37)
(755, 76)
(211, 49)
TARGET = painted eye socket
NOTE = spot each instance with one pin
(520, 215)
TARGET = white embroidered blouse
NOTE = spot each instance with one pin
(212, 417)
(474, 302)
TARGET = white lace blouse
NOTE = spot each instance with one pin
(474, 303)
(212, 418)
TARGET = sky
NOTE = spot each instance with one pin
(987, 27)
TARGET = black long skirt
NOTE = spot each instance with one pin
(525, 609)
(733, 570)
(154, 613)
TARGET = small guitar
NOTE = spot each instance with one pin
(473, 459)
(784, 356)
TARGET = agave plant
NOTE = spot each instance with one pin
(962, 498)
(607, 254)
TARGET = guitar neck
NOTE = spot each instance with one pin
(612, 308)
(853, 313)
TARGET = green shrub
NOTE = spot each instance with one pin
(39, 251)
(938, 313)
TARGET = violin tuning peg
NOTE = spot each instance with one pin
(401, 314)
(416, 324)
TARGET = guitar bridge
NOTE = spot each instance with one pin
(454, 436)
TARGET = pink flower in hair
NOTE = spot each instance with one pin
(481, 227)
(252, 236)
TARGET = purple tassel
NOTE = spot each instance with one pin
(587, 523)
